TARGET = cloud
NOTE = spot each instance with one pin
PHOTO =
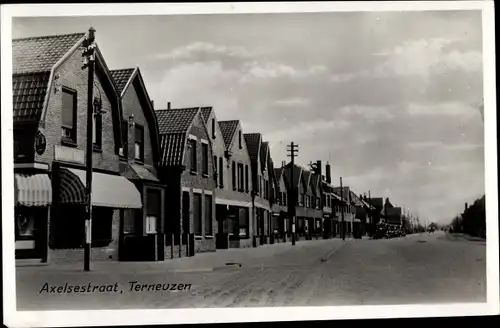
(293, 102)
(451, 109)
(257, 71)
(419, 58)
(370, 113)
(193, 50)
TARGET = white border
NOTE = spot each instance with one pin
(180, 316)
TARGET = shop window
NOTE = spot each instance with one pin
(102, 222)
(139, 143)
(197, 214)
(153, 211)
(25, 225)
(129, 221)
(68, 116)
(243, 222)
(208, 215)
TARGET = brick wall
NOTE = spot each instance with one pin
(72, 76)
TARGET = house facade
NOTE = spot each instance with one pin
(186, 166)
(280, 206)
(261, 211)
(234, 198)
(143, 229)
(50, 136)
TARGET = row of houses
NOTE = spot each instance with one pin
(167, 182)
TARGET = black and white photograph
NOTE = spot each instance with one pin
(242, 157)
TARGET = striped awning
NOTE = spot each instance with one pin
(107, 190)
(32, 190)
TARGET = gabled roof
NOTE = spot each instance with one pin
(176, 120)
(35, 60)
(205, 113)
(228, 129)
(253, 145)
(307, 178)
(264, 153)
(297, 175)
(277, 173)
(40, 54)
(173, 126)
(377, 202)
(28, 96)
(32, 60)
(314, 183)
(122, 77)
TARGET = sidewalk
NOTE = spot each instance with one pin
(223, 259)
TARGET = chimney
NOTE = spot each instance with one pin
(153, 104)
(466, 206)
(320, 168)
(328, 173)
(168, 105)
(323, 177)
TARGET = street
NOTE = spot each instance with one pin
(426, 268)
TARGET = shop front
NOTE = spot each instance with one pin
(33, 200)
(113, 197)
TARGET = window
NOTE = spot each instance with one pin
(241, 178)
(244, 222)
(102, 226)
(192, 155)
(139, 143)
(301, 202)
(204, 158)
(246, 178)
(213, 128)
(240, 143)
(260, 186)
(186, 204)
(221, 172)
(318, 202)
(68, 116)
(234, 175)
(197, 214)
(25, 224)
(97, 129)
(208, 215)
(284, 199)
(215, 170)
(266, 191)
(153, 210)
(124, 149)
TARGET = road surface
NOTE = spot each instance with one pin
(423, 268)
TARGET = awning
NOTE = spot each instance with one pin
(107, 190)
(230, 202)
(32, 190)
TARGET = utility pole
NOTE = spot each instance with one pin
(89, 62)
(293, 149)
(342, 212)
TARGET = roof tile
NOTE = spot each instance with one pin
(39, 54)
(175, 120)
(228, 129)
(253, 141)
(121, 77)
(205, 113)
(172, 149)
(28, 96)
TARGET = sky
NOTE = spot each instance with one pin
(390, 99)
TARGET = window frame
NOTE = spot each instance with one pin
(125, 135)
(72, 140)
(193, 165)
(246, 178)
(208, 231)
(234, 180)
(204, 159)
(198, 210)
(221, 172)
(141, 152)
(97, 130)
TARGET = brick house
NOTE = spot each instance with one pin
(234, 198)
(346, 205)
(50, 112)
(280, 207)
(186, 166)
(261, 210)
(143, 233)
